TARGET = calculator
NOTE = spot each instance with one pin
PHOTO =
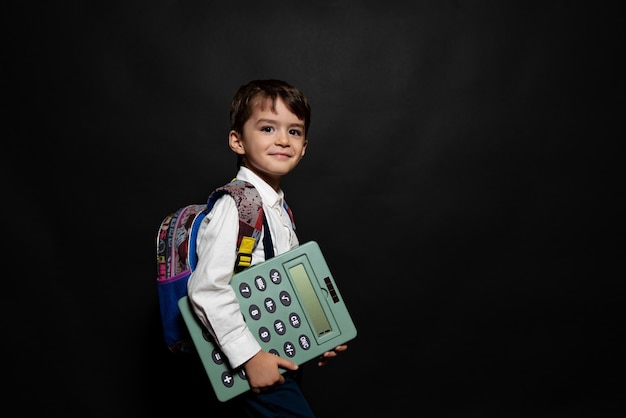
(291, 303)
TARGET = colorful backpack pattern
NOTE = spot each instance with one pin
(176, 253)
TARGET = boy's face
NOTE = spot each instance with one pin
(272, 144)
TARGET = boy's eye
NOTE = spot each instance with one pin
(267, 129)
(295, 132)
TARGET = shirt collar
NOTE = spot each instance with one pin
(268, 195)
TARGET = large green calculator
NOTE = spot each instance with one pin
(291, 302)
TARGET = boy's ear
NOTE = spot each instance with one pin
(235, 143)
(304, 148)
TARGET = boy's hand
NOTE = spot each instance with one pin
(330, 354)
(262, 370)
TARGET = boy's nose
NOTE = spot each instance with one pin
(282, 138)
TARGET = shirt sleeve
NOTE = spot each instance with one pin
(211, 296)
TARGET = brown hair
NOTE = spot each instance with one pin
(251, 93)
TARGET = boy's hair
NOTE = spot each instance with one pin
(251, 93)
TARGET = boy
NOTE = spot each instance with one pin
(269, 124)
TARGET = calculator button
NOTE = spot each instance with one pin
(289, 349)
(274, 351)
(294, 320)
(270, 305)
(275, 276)
(260, 283)
(227, 379)
(285, 298)
(255, 312)
(304, 342)
(279, 327)
(206, 335)
(245, 290)
(217, 356)
(264, 334)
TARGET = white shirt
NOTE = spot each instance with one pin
(213, 299)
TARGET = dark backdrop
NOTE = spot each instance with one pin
(460, 178)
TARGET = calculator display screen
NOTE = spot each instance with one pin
(310, 301)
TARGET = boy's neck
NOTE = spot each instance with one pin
(273, 182)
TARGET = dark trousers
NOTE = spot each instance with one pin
(281, 401)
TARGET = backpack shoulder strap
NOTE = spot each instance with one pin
(251, 220)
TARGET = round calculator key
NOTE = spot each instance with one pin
(227, 379)
(242, 373)
(264, 334)
(270, 305)
(260, 283)
(255, 312)
(289, 349)
(285, 298)
(245, 290)
(279, 327)
(275, 276)
(274, 351)
(217, 356)
(304, 341)
(294, 320)
(206, 335)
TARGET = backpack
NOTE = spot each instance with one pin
(176, 253)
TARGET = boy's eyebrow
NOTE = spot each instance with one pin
(265, 120)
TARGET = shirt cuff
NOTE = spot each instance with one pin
(241, 349)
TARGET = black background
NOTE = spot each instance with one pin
(461, 178)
